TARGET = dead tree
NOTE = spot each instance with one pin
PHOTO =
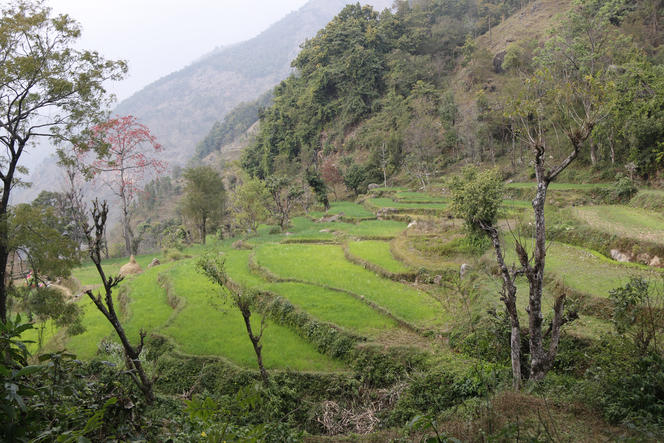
(213, 268)
(541, 360)
(95, 237)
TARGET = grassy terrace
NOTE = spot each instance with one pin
(418, 197)
(599, 275)
(348, 209)
(323, 304)
(202, 324)
(562, 186)
(378, 253)
(326, 265)
(335, 307)
(205, 326)
(636, 223)
(384, 202)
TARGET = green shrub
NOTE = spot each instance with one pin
(435, 391)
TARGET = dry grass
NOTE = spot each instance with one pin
(533, 22)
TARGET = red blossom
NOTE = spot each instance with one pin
(131, 155)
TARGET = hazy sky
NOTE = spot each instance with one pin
(158, 37)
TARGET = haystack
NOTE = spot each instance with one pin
(130, 268)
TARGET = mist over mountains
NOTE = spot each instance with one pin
(182, 107)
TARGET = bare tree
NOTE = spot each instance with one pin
(243, 300)
(95, 236)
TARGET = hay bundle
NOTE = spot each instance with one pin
(130, 268)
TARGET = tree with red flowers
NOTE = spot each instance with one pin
(130, 157)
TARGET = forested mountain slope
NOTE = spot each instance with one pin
(408, 93)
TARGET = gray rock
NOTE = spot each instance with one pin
(373, 186)
(154, 262)
(620, 257)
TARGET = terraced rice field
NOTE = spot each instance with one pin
(378, 253)
(636, 223)
(384, 202)
(326, 265)
(307, 266)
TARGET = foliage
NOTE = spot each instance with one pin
(49, 89)
(355, 179)
(250, 204)
(234, 124)
(370, 71)
(130, 155)
(15, 388)
(44, 304)
(628, 386)
(36, 234)
(316, 183)
(284, 195)
(67, 212)
(205, 197)
(639, 314)
(477, 197)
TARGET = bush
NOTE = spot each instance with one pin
(627, 386)
(355, 179)
(435, 391)
(477, 197)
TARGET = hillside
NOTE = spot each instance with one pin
(445, 226)
(182, 107)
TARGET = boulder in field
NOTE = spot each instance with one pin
(620, 256)
(155, 262)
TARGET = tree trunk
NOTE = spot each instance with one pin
(593, 154)
(132, 353)
(509, 298)
(541, 360)
(203, 230)
(535, 277)
(4, 240)
(255, 341)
